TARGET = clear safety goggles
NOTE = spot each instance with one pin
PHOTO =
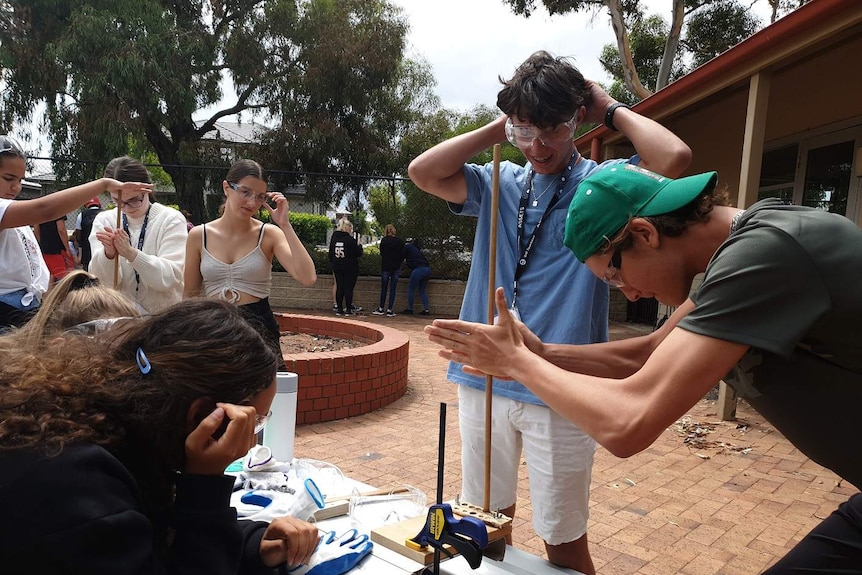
(522, 135)
(246, 193)
(95, 327)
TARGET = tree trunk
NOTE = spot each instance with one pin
(672, 44)
(630, 75)
(188, 183)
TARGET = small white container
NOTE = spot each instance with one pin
(280, 430)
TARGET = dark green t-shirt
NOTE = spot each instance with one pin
(788, 283)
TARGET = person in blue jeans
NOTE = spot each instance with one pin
(391, 256)
(419, 275)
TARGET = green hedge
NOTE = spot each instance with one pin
(310, 228)
(445, 264)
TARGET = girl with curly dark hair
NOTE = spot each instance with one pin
(112, 460)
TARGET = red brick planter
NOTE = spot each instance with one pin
(339, 384)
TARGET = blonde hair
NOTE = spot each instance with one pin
(390, 230)
(344, 225)
(77, 298)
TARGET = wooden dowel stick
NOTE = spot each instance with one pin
(492, 283)
(119, 223)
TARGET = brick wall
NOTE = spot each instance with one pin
(444, 296)
(339, 384)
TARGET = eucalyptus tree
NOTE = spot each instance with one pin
(155, 71)
(651, 51)
(709, 31)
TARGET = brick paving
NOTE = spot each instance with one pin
(670, 509)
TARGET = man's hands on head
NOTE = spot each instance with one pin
(597, 104)
(485, 349)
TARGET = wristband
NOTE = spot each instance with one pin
(609, 114)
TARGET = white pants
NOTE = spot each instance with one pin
(559, 460)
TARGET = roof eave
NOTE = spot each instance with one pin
(794, 33)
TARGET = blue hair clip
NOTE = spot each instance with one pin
(143, 362)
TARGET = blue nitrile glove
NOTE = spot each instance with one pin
(336, 555)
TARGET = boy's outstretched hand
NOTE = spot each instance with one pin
(483, 349)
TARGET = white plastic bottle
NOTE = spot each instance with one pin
(280, 430)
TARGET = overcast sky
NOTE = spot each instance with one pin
(470, 43)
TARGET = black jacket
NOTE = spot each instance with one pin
(344, 252)
(81, 512)
(415, 257)
(391, 253)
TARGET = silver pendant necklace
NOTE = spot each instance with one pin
(539, 197)
(735, 221)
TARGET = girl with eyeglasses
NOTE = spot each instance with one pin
(230, 258)
(24, 277)
(149, 243)
(113, 460)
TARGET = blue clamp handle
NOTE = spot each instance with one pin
(467, 535)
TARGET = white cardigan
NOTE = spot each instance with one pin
(159, 263)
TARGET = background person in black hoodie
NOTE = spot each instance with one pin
(83, 227)
(344, 254)
(420, 273)
(391, 255)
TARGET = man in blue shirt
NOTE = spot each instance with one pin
(555, 295)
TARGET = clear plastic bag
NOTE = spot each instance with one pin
(328, 477)
(374, 510)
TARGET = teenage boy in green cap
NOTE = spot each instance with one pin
(777, 316)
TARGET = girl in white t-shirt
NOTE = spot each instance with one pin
(23, 274)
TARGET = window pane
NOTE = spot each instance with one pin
(779, 166)
(827, 177)
(783, 193)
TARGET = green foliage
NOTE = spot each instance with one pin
(310, 228)
(717, 27)
(647, 37)
(712, 27)
(320, 257)
(109, 75)
(370, 264)
(160, 177)
(526, 7)
(387, 206)
(359, 97)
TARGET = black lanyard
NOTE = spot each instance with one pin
(527, 250)
(140, 239)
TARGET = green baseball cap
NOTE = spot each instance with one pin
(606, 200)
